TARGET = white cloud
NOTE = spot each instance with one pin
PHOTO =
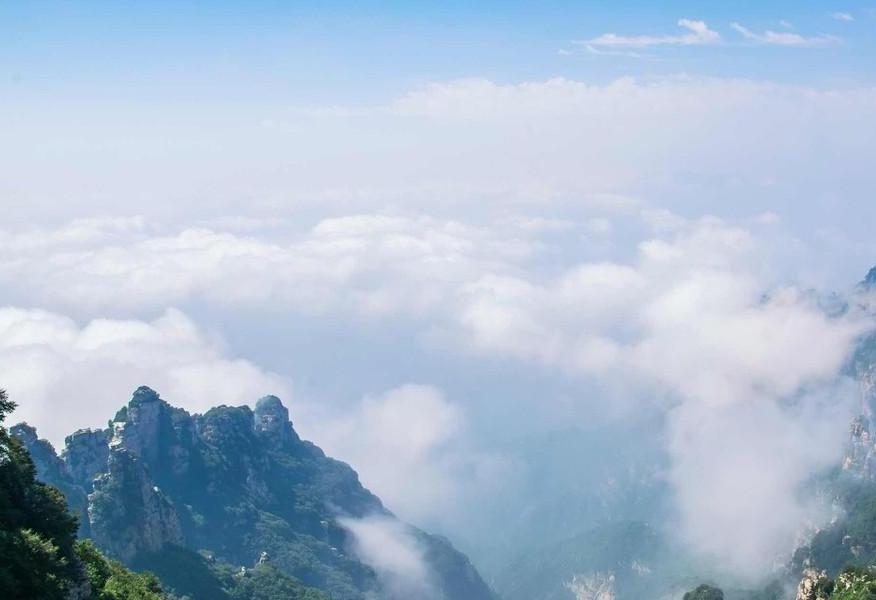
(540, 179)
(698, 34)
(842, 16)
(694, 318)
(591, 49)
(460, 148)
(372, 264)
(65, 376)
(787, 38)
(390, 548)
(410, 447)
(690, 321)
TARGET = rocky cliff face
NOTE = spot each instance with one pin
(128, 513)
(43, 454)
(859, 459)
(860, 454)
(55, 471)
(238, 483)
(272, 422)
(85, 453)
(598, 586)
(813, 585)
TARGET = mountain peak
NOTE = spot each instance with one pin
(144, 394)
(272, 418)
(269, 402)
(869, 281)
(24, 432)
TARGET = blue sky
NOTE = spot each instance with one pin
(362, 52)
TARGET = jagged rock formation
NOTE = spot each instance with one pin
(39, 555)
(598, 586)
(272, 421)
(128, 513)
(85, 453)
(55, 471)
(850, 538)
(813, 586)
(859, 455)
(237, 482)
(853, 583)
(869, 281)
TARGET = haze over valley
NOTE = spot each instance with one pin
(478, 301)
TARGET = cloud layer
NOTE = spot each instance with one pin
(465, 146)
(390, 548)
(552, 227)
(697, 320)
(411, 445)
(699, 34)
(65, 376)
(787, 38)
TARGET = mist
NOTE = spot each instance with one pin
(520, 305)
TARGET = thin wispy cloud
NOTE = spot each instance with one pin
(786, 38)
(698, 33)
(842, 16)
(607, 52)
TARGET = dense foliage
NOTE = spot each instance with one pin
(854, 583)
(705, 592)
(850, 541)
(110, 580)
(191, 575)
(37, 534)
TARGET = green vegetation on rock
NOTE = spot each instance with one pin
(705, 592)
(199, 500)
(39, 555)
(110, 580)
(191, 575)
(855, 583)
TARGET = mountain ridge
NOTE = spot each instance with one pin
(236, 484)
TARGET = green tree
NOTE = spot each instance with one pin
(110, 580)
(37, 534)
(855, 583)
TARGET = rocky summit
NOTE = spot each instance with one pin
(160, 488)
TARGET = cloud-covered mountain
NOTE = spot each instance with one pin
(239, 486)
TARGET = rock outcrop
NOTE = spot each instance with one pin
(48, 465)
(272, 421)
(55, 471)
(239, 484)
(85, 453)
(813, 585)
(598, 586)
(128, 513)
(140, 427)
(859, 455)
